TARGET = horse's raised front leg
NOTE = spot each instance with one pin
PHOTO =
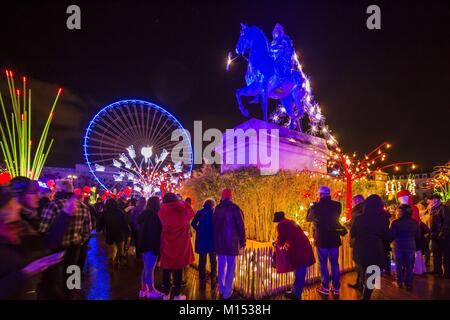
(288, 104)
(250, 91)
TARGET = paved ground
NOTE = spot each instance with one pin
(100, 283)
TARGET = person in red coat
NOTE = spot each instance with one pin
(295, 246)
(176, 247)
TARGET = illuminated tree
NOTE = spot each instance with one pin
(393, 186)
(16, 142)
(440, 182)
(350, 169)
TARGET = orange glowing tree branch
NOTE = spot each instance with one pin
(350, 169)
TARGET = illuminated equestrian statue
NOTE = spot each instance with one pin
(270, 71)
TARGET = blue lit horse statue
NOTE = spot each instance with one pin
(267, 77)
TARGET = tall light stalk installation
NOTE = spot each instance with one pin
(16, 142)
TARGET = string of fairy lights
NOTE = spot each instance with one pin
(310, 106)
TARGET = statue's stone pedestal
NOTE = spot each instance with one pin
(271, 148)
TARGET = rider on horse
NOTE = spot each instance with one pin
(282, 50)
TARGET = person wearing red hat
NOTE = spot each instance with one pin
(229, 240)
(405, 197)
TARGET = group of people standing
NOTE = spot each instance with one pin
(163, 233)
(220, 235)
(375, 233)
(43, 237)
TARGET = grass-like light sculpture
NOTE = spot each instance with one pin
(16, 142)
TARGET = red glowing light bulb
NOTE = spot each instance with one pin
(60, 90)
(18, 92)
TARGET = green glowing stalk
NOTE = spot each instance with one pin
(16, 143)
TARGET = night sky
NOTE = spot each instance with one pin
(390, 84)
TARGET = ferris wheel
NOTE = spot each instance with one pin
(129, 143)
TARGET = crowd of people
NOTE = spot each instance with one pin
(405, 233)
(42, 235)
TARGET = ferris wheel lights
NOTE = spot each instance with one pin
(94, 150)
(131, 152)
(147, 152)
(116, 163)
(162, 157)
(178, 166)
(99, 168)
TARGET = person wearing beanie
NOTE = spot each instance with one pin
(229, 240)
(325, 217)
(405, 197)
(293, 244)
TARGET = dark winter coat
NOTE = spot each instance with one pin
(149, 234)
(14, 257)
(369, 233)
(423, 243)
(116, 226)
(357, 210)
(440, 223)
(13, 281)
(404, 233)
(229, 229)
(299, 248)
(204, 233)
(325, 216)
